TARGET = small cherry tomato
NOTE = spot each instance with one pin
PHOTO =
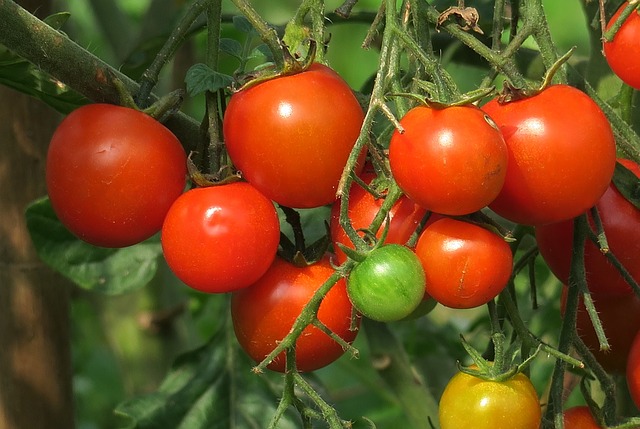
(580, 417)
(451, 161)
(388, 285)
(560, 162)
(465, 265)
(291, 136)
(623, 52)
(471, 402)
(264, 313)
(221, 238)
(112, 173)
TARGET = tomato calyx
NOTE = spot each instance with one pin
(465, 99)
(502, 366)
(224, 176)
(466, 17)
(627, 184)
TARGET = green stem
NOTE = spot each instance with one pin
(149, 78)
(610, 33)
(72, 65)
(213, 152)
(394, 366)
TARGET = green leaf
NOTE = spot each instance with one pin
(231, 47)
(57, 20)
(198, 393)
(109, 271)
(261, 50)
(242, 24)
(627, 183)
(201, 78)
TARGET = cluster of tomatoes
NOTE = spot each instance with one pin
(116, 177)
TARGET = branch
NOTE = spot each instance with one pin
(63, 59)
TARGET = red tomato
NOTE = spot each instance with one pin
(264, 313)
(451, 161)
(621, 223)
(623, 52)
(404, 217)
(112, 174)
(560, 161)
(221, 238)
(465, 265)
(620, 317)
(580, 418)
(291, 136)
(633, 370)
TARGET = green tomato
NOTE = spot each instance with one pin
(388, 284)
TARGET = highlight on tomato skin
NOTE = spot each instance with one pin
(264, 313)
(560, 163)
(291, 136)
(221, 238)
(112, 173)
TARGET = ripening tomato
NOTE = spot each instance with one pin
(388, 285)
(465, 265)
(633, 370)
(621, 224)
(112, 173)
(404, 217)
(221, 238)
(451, 161)
(620, 317)
(471, 402)
(264, 313)
(580, 417)
(291, 136)
(560, 161)
(623, 52)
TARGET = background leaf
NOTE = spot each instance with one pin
(109, 271)
(201, 78)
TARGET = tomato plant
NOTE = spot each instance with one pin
(580, 417)
(622, 52)
(633, 370)
(264, 313)
(621, 224)
(221, 238)
(465, 264)
(451, 161)
(560, 163)
(112, 173)
(404, 217)
(388, 284)
(291, 136)
(472, 402)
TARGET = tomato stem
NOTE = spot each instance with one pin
(609, 34)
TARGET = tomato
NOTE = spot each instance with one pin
(580, 417)
(404, 217)
(623, 53)
(620, 317)
(621, 223)
(291, 136)
(633, 370)
(465, 265)
(221, 238)
(264, 313)
(471, 402)
(112, 173)
(560, 162)
(451, 161)
(388, 284)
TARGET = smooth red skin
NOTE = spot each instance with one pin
(291, 136)
(451, 161)
(621, 223)
(623, 52)
(404, 217)
(112, 173)
(465, 265)
(620, 317)
(633, 370)
(221, 238)
(264, 313)
(561, 155)
(580, 417)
